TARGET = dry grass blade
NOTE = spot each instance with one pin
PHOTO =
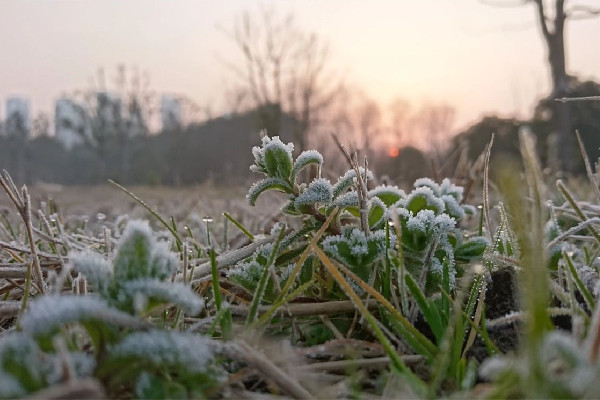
(335, 273)
(305, 309)
(588, 168)
(22, 202)
(378, 362)
(77, 389)
(228, 259)
(290, 386)
(361, 185)
(486, 194)
(573, 203)
(9, 308)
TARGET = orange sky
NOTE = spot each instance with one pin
(479, 59)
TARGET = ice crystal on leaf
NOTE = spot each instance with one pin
(194, 353)
(306, 158)
(318, 192)
(452, 208)
(21, 366)
(347, 199)
(138, 294)
(356, 250)
(388, 194)
(48, 313)
(96, 268)
(273, 158)
(348, 179)
(450, 189)
(263, 185)
(428, 183)
(139, 255)
(423, 198)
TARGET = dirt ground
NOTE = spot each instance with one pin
(107, 202)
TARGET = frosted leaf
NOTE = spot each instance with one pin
(450, 189)
(319, 191)
(97, 270)
(194, 353)
(443, 224)
(421, 222)
(388, 194)
(19, 353)
(347, 199)
(424, 198)
(143, 385)
(140, 255)
(81, 364)
(10, 387)
(452, 207)
(164, 262)
(258, 165)
(278, 158)
(50, 312)
(267, 157)
(248, 272)
(347, 180)
(493, 367)
(267, 184)
(588, 276)
(354, 249)
(428, 183)
(135, 295)
(133, 256)
(306, 158)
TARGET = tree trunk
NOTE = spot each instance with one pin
(555, 44)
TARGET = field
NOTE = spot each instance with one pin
(349, 290)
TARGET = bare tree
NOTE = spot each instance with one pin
(284, 71)
(552, 16)
(400, 120)
(434, 122)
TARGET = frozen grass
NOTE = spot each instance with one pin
(358, 290)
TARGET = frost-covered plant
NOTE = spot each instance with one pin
(430, 216)
(56, 331)
(25, 368)
(156, 356)
(563, 366)
(356, 250)
(135, 281)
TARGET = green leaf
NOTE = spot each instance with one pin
(377, 214)
(267, 184)
(471, 249)
(428, 308)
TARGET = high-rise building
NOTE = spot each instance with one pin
(72, 125)
(17, 122)
(170, 112)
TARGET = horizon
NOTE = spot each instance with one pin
(479, 59)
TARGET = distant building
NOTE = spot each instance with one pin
(170, 112)
(17, 122)
(72, 126)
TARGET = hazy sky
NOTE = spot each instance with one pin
(478, 58)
